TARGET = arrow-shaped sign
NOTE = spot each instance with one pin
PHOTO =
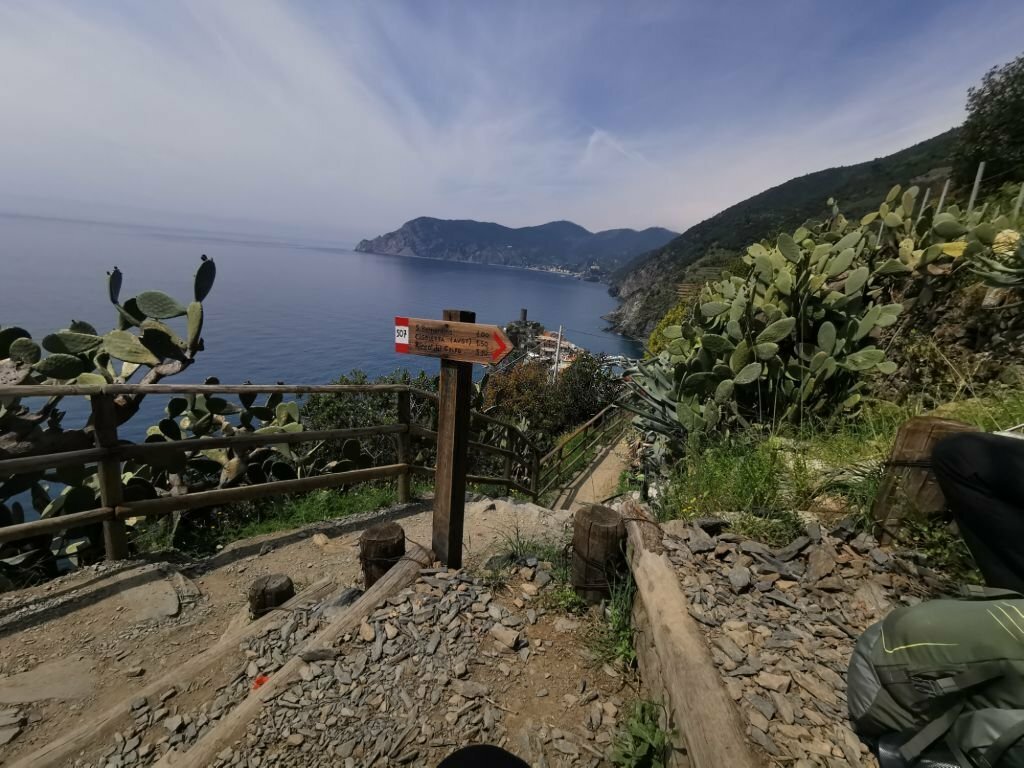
(500, 347)
(465, 342)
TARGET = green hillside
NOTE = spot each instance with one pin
(560, 244)
(647, 286)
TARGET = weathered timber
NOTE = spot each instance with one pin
(454, 390)
(598, 536)
(168, 504)
(55, 524)
(699, 708)
(909, 488)
(404, 445)
(104, 416)
(380, 547)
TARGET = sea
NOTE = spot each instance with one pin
(281, 310)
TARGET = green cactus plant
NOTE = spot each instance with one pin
(79, 354)
(789, 340)
(794, 336)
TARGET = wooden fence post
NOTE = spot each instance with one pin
(454, 394)
(380, 547)
(909, 487)
(510, 441)
(115, 536)
(534, 474)
(404, 445)
(597, 551)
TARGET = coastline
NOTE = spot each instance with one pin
(559, 273)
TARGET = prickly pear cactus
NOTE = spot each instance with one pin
(791, 339)
(794, 336)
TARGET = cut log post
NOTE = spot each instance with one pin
(598, 536)
(909, 488)
(404, 453)
(380, 547)
(671, 645)
(268, 593)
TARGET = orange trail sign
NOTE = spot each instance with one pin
(464, 342)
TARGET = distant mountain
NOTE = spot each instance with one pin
(647, 286)
(558, 244)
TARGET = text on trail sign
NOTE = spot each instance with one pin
(465, 342)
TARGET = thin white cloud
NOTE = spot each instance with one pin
(355, 117)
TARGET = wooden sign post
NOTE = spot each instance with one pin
(459, 342)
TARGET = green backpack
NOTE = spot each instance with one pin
(949, 670)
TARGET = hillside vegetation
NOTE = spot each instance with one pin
(647, 287)
(560, 244)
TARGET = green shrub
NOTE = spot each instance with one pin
(526, 394)
(755, 484)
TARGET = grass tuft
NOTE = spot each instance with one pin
(612, 638)
(641, 742)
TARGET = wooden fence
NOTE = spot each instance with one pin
(573, 451)
(524, 469)
(520, 456)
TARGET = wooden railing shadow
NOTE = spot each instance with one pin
(87, 598)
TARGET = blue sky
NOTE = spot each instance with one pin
(346, 119)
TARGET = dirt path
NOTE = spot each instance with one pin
(600, 483)
(90, 640)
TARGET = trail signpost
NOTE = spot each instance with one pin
(459, 342)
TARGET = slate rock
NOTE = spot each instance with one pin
(700, 541)
(794, 548)
(821, 561)
(739, 578)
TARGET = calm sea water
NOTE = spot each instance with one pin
(298, 312)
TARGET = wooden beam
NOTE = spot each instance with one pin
(476, 479)
(404, 453)
(418, 431)
(104, 418)
(145, 450)
(699, 707)
(34, 462)
(454, 390)
(166, 504)
(51, 390)
(64, 749)
(232, 727)
(55, 524)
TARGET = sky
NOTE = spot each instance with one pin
(344, 120)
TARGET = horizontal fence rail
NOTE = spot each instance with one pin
(573, 451)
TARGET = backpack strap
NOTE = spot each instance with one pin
(998, 748)
(932, 732)
(979, 674)
(979, 592)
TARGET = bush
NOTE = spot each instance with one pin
(755, 485)
(526, 394)
(364, 410)
(994, 128)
